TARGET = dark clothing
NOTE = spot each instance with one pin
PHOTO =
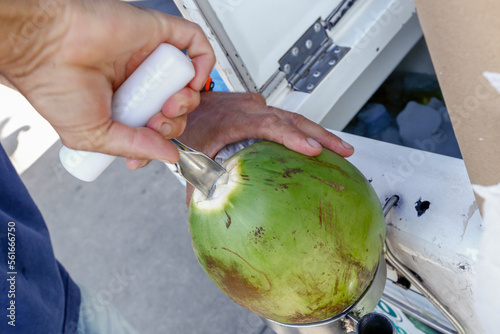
(37, 295)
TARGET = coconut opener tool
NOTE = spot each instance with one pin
(166, 71)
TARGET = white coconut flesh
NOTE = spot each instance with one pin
(224, 187)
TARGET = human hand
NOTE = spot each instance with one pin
(70, 66)
(225, 118)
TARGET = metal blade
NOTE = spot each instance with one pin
(198, 169)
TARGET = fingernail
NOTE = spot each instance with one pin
(167, 161)
(136, 164)
(165, 129)
(182, 111)
(347, 145)
(142, 164)
(313, 143)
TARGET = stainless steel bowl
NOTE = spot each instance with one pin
(345, 322)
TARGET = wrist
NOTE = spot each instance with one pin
(28, 29)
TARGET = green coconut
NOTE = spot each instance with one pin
(292, 238)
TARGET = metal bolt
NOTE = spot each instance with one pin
(309, 44)
(286, 68)
(316, 74)
(295, 51)
(310, 87)
(337, 50)
(332, 62)
(317, 27)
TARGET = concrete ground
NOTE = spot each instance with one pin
(125, 235)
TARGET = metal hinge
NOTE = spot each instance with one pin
(315, 54)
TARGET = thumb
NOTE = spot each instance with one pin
(121, 140)
(138, 143)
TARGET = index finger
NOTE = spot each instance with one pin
(187, 35)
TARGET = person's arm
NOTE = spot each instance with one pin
(67, 57)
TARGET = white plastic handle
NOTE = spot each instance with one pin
(166, 71)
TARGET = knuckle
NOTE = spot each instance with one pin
(297, 119)
(195, 99)
(196, 27)
(181, 127)
(256, 97)
(156, 121)
(270, 120)
(178, 127)
(252, 102)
